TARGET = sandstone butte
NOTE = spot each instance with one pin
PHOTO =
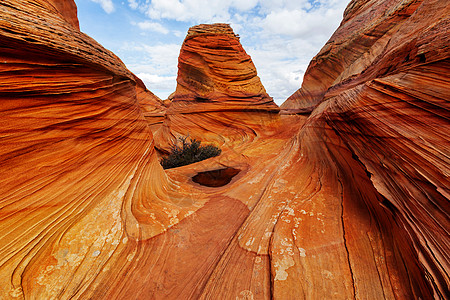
(343, 193)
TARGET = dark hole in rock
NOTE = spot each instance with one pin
(422, 58)
(216, 178)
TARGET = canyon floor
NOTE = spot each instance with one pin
(340, 193)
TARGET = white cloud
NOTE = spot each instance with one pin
(280, 66)
(190, 10)
(161, 59)
(195, 11)
(281, 36)
(156, 65)
(107, 5)
(133, 4)
(152, 26)
(162, 86)
(241, 5)
(301, 23)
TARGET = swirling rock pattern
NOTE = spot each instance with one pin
(348, 199)
(216, 74)
(75, 149)
(217, 81)
(381, 85)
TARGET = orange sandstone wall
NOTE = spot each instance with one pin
(381, 85)
(75, 149)
(348, 199)
(216, 74)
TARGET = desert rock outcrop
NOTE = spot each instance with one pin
(216, 74)
(344, 195)
(219, 97)
(382, 85)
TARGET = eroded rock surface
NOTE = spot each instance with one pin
(347, 200)
(219, 97)
(216, 74)
(381, 85)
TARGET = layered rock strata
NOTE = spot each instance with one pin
(381, 85)
(348, 200)
(217, 81)
(216, 74)
(80, 180)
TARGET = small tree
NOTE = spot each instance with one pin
(186, 152)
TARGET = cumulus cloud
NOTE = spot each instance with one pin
(243, 5)
(281, 36)
(133, 4)
(281, 66)
(152, 26)
(189, 10)
(161, 85)
(302, 23)
(192, 10)
(107, 5)
(156, 65)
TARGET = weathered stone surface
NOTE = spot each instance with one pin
(381, 84)
(68, 10)
(217, 81)
(153, 108)
(74, 150)
(216, 74)
(347, 201)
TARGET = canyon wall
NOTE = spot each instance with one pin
(216, 74)
(76, 156)
(381, 85)
(342, 195)
(218, 92)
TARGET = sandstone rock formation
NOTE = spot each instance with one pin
(217, 81)
(381, 84)
(153, 108)
(348, 199)
(216, 74)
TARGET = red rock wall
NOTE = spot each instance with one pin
(216, 74)
(349, 201)
(75, 149)
(381, 84)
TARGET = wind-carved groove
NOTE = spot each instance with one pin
(378, 271)
(345, 239)
(102, 136)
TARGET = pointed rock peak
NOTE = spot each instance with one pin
(216, 74)
(216, 28)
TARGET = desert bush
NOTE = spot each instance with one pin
(187, 151)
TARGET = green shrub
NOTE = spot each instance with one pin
(186, 152)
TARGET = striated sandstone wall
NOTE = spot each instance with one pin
(216, 74)
(348, 199)
(381, 84)
(76, 154)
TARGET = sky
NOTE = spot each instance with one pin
(281, 36)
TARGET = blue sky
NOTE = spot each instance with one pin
(281, 36)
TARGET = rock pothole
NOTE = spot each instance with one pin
(216, 178)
